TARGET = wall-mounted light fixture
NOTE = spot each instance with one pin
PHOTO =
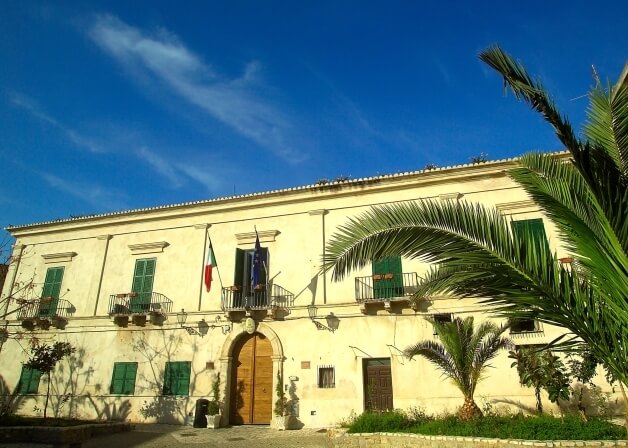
(332, 321)
(203, 327)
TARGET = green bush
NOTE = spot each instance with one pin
(505, 427)
(392, 421)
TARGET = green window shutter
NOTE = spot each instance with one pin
(177, 378)
(29, 381)
(535, 229)
(123, 378)
(387, 278)
(51, 289)
(143, 278)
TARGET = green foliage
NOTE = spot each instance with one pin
(281, 403)
(475, 254)
(213, 408)
(463, 352)
(502, 427)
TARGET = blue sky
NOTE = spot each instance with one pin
(115, 105)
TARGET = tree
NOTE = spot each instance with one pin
(462, 355)
(45, 357)
(541, 370)
(476, 254)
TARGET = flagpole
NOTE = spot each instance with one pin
(215, 260)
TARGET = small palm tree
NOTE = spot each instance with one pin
(463, 355)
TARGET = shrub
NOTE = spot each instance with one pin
(505, 427)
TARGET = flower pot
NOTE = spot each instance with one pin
(281, 423)
(213, 421)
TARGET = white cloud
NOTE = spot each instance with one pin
(101, 198)
(162, 56)
(203, 176)
(31, 106)
(161, 166)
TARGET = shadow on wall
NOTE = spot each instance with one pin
(10, 401)
(162, 408)
(293, 406)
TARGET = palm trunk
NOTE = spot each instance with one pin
(623, 392)
(469, 410)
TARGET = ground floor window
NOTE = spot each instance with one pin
(326, 377)
(177, 378)
(123, 378)
(29, 381)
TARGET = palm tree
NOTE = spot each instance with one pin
(462, 355)
(476, 254)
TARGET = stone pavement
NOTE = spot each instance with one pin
(166, 436)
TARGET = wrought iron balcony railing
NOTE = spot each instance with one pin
(234, 298)
(385, 287)
(45, 308)
(132, 303)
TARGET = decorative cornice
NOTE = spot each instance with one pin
(62, 257)
(265, 236)
(516, 206)
(450, 196)
(202, 226)
(148, 248)
(318, 212)
(104, 237)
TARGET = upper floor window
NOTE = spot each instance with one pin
(524, 326)
(533, 228)
(142, 287)
(387, 278)
(50, 292)
(244, 275)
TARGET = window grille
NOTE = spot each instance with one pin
(326, 377)
(442, 318)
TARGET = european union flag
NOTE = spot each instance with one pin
(257, 263)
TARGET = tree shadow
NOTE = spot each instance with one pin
(163, 408)
(293, 406)
(10, 400)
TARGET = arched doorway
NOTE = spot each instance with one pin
(251, 394)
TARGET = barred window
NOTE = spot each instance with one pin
(326, 377)
(442, 318)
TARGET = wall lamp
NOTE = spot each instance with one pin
(203, 327)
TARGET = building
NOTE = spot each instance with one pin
(127, 289)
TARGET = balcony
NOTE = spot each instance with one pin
(385, 288)
(272, 299)
(139, 306)
(45, 311)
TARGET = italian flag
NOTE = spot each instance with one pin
(209, 265)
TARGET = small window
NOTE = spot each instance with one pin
(177, 378)
(123, 378)
(29, 381)
(326, 377)
(524, 326)
(442, 318)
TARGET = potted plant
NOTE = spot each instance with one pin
(213, 408)
(281, 410)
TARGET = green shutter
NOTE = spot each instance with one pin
(177, 378)
(387, 278)
(123, 378)
(51, 291)
(534, 229)
(29, 381)
(143, 285)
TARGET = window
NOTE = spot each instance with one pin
(177, 378)
(248, 294)
(123, 378)
(442, 318)
(524, 326)
(50, 292)
(326, 377)
(29, 381)
(387, 278)
(142, 286)
(533, 228)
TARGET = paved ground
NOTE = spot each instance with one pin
(162, 436)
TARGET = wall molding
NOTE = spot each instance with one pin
(265, 236)
(148, 248)
(61, 257)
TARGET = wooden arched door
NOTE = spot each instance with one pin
(252, 381)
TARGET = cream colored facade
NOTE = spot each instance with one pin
(99, 254)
